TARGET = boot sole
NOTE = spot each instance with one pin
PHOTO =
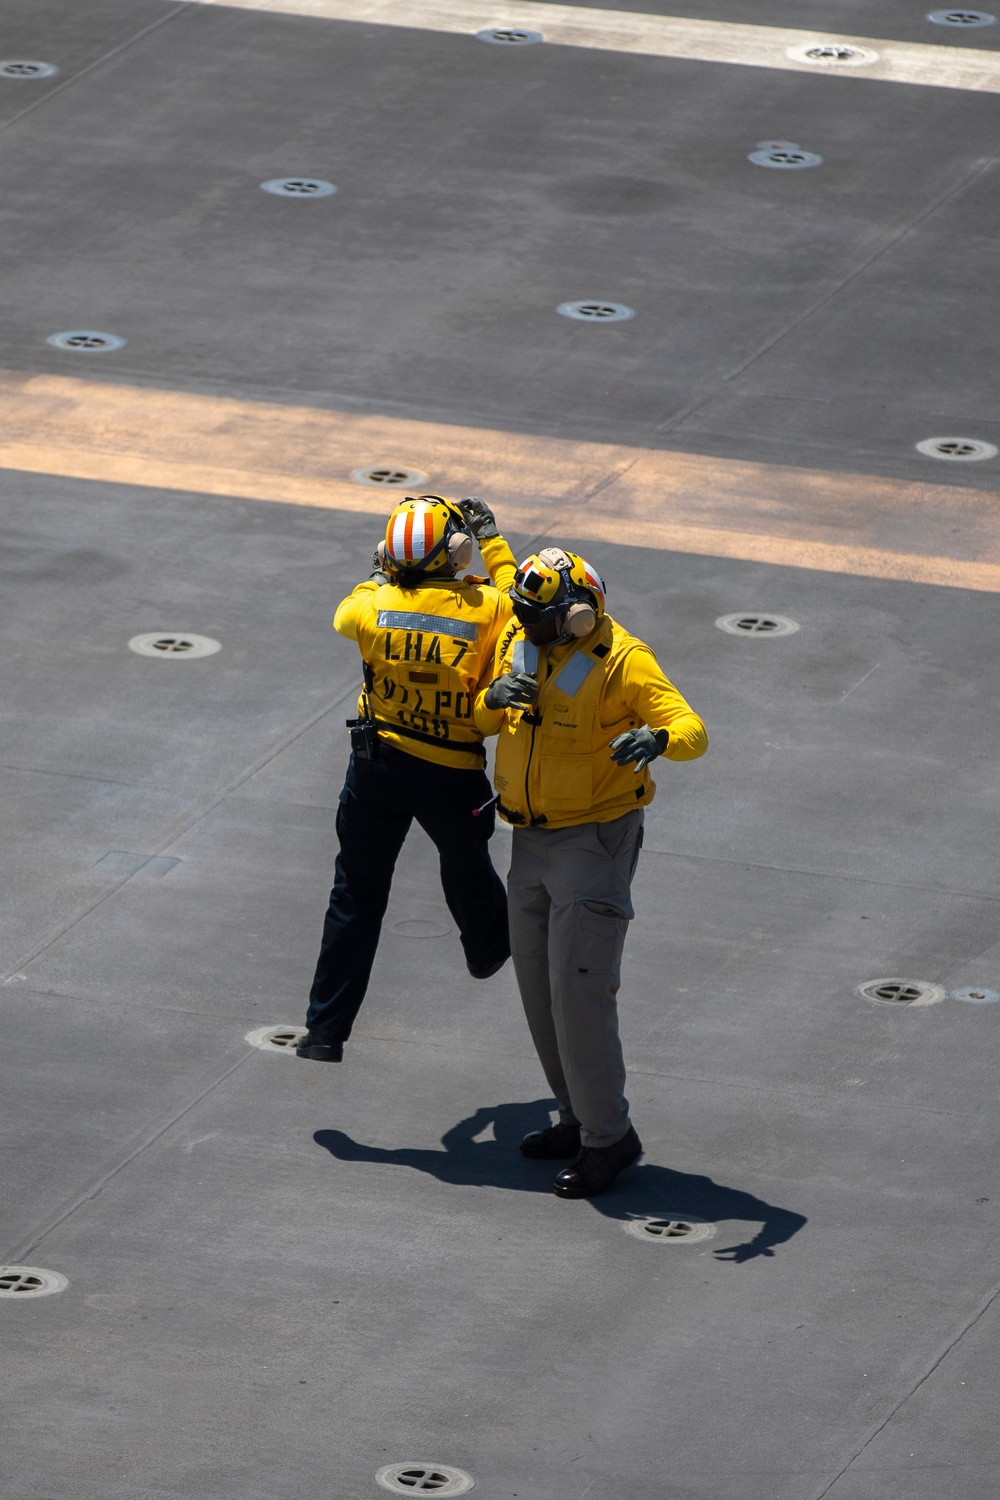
(488, 972)
(562, 1192)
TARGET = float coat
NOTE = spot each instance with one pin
(428, 652)
(553, 761)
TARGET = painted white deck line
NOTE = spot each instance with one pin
(660, 36)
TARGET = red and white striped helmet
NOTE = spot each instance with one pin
(426, 534)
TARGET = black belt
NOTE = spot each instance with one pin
(474, 748)
(517, 818)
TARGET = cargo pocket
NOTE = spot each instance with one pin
(598, 939)
(621, 842)
(635, 856)
(615, 837)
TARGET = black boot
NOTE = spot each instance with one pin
(488, 970)
(596, 1168)
(320, 1051)
(554, 1143)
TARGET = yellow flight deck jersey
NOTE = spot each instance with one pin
(553, 761)
(429, 652)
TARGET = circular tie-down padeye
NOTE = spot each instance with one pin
(22, 67)
(86, 341)
(783, 155)
(298, 187)
(30, 1281)
(424, 1479)
(910, 993)
(173, 645)
(976, 995)
(748, 623)
(833, 55)
(671, 1229)
(962, 450)
(596, 312)
(276, 1038)
(390, 476)
(509, 36)
(961, 18)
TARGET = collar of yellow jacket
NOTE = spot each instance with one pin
(595, 647)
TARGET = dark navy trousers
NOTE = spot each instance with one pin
(380, 800)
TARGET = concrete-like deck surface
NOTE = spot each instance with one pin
(282, 1277)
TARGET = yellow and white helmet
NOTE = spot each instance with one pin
(558, 585)
(425, 535)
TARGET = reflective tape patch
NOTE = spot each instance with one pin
(574, 674)
(404, 619)
(525, 657)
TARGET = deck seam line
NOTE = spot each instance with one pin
(984, 1306)
(145, 786)
(572, 504)
(190, 822)
(99, 62)
(102, 1182)
(673, 423)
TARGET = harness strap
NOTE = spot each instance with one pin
(429, 739)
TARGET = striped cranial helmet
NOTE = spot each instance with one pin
(426, 535)
(559, 585)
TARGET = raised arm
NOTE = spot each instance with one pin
(497, 556)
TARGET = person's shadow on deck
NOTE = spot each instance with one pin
(644, 1191)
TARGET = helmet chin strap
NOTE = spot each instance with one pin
(457, 546)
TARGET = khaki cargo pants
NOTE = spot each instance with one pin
(569, 904)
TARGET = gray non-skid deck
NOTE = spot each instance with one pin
(280, 1276)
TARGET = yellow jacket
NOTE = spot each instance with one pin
(428, 652)
(553, 762)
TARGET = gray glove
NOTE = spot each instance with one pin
(376, 572)
(479, 518)
(515, 690)
(641, 745)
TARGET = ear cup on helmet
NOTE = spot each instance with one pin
(460, 549)
(380, 555)
(579, 619)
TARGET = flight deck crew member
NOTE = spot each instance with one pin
(427, 640)
(580, 708)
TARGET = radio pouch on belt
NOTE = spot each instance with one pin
(364, 731)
